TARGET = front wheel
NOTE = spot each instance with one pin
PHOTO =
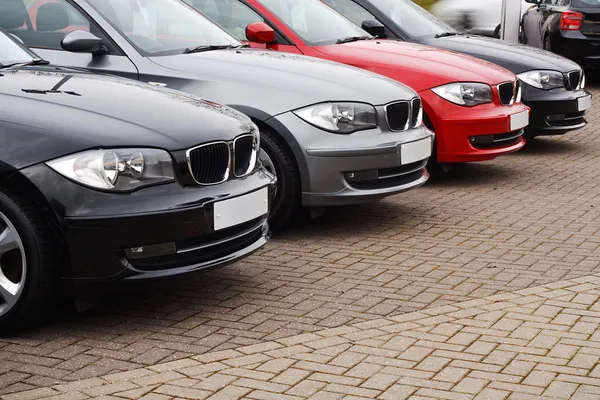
(279, 161)
(547, 44)
(28, 286)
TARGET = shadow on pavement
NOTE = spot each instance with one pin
(483, 173)
(548, 146)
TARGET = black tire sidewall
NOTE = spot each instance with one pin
(287, 197)
(29, 300)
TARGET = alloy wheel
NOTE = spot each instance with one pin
(13, 270)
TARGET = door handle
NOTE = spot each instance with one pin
(159, 84)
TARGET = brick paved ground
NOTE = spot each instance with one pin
(518, 222)
(541, 342)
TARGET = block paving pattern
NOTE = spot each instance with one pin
(541, 342)
(518, 222)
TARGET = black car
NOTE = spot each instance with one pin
(570, 28)
(553, 86)
(106, 180)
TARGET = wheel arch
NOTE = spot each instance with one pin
(265, 120)
(21, 185)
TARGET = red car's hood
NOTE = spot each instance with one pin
(418, 66)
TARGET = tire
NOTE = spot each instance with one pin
(280, 161)
(547, 44)
(36, 295)
(433, 166)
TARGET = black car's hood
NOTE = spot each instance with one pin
(64, 111)
(515, 57)
(277, 82)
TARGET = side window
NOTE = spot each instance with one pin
(44, 23)
(350, 10)
(232, 15)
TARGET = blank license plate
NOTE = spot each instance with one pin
(415, 151)
(583, 103)
(519, 121)
(241, 209)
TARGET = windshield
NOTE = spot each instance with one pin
(313, 21)
(162, 27)
(586, 3)
(11, 52)
(411, 18)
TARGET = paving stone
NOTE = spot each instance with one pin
(481, 285)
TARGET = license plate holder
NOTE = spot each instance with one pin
(584, 103)
(519, 121)
(231, 212)
(415, 151)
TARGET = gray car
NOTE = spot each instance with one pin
(332, 134)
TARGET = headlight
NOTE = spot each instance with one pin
(544, 80)
(340, 117)
(118, 170)
(465, 94)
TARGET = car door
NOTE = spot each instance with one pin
(548, 12)
(234, 16)
(47, 22)
(358, 14)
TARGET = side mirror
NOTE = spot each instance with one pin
(374, 27)
(259, 32)
(83, 42)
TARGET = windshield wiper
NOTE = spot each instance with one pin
(445, 34)
(200, 49)
(353, 39)
(35, 61)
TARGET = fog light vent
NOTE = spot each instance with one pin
(154, 250)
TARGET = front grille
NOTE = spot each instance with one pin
(397, 115)
(496, 141)
(416, 112)
(573, 78)
(209, 163)
(244, 154)
(566, 120)
(214, 247)
(386, 177)
(506, 92)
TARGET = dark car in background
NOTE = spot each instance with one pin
(570, 28)
(325, 131)
(553, 86)
(108, 181)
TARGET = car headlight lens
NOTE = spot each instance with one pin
(465, 94)
(119, 170)
(340, 117)
(545, 80)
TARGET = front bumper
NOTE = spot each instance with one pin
(363, 167)
(155, 232)
(554, 112)
(469, 134)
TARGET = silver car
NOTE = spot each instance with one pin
(332, 134)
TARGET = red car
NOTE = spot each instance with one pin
(474, 107)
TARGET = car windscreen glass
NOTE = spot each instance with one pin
(11, 52)
(315, 22)
(586, 3)
(162, 27)
(411, 18)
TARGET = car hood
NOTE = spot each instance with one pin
(277, 82)
(515, 57)
(64, 111)
(418, 66)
